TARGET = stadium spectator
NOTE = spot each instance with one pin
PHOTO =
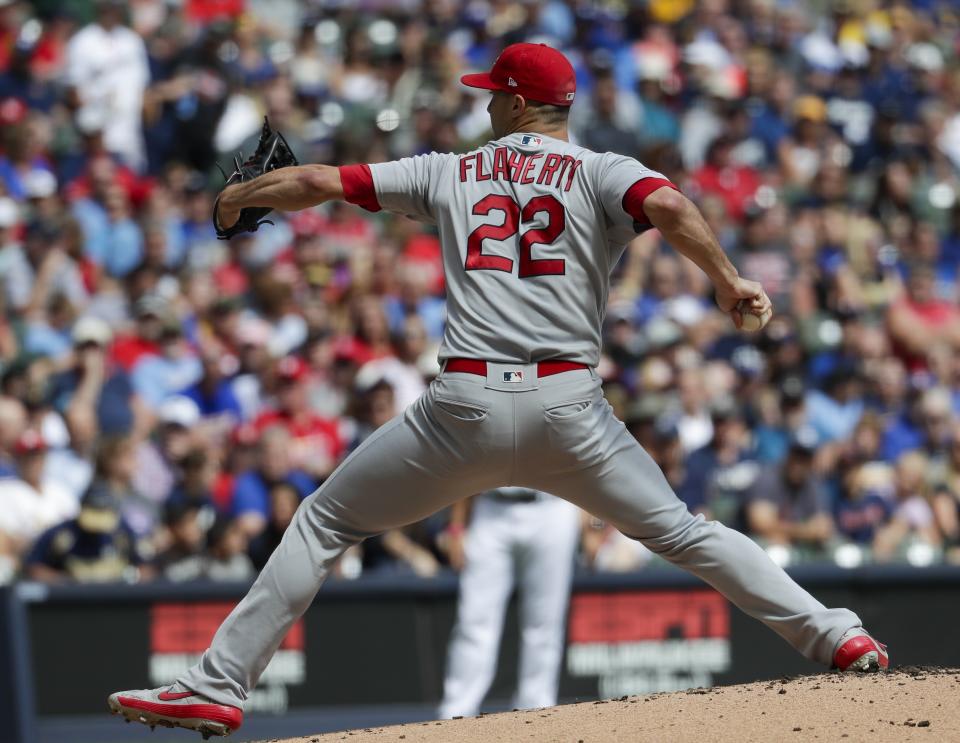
(946, 482)
(865, 504)
(919, 321)
(226, 556)
(275, 464)
(315, 442)
(284, 499)
(115, 471)
(198, 472)
(610, 119)
(31, 502)
(39, 272)
(923, 425)
(159, 459)
(834, 411)
(94, 547)
(720, 474)
(781, 413)
(788, 504)
(185, 536)
(107, 72)
(913, 520)
(94, 396)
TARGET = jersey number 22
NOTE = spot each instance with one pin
(477, 260)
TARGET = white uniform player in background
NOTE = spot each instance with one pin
(530, 227)
(516, 537)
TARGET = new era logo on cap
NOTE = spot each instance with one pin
(511, 82)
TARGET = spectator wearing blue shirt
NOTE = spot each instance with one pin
(159, 376)
(413, 298)
(251, 495)
(23, 154)
(214, 393)
(925, 427)
(111, 238)
(659, 123)
(95, 398)
(720, 474)
(835, 411)
(866, 502)
(17, 81)
(772, 439)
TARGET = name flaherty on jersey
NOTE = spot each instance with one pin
(517, 167)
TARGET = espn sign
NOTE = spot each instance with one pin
(637, 642)
(180, 632)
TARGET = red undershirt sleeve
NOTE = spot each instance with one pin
(358, 186)
(637, 193)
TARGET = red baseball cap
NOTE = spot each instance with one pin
(292, 369)
(535, 71)
(30, 442)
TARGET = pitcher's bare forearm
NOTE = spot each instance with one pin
(685, 229)
(287, 189)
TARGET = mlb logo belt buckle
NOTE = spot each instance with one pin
(513, 377)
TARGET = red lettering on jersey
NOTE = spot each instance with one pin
(573, 171)
(481, 176)
(516, 164)
(500, 170)
(531, 161)
(550, 165)
(565, 162)
(465, 163)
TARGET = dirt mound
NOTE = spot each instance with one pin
(906, 704)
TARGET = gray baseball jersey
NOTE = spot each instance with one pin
(530, 228)
(527, 270)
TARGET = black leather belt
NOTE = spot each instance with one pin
(527, 497)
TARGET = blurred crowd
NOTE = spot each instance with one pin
(166, 400)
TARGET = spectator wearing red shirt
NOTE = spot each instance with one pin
(919, 322)
(316, 444)
(151, 312)
(734, 184)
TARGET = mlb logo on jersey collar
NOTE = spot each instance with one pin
(513, 377)
(530, 139)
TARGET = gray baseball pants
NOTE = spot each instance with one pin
(467, 434)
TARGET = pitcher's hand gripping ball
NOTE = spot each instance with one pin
(272, 153)
(752, 319)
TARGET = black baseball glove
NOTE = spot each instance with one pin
(272, 152)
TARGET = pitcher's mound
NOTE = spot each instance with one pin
(905, 704)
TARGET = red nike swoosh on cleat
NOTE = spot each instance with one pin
(166, 696)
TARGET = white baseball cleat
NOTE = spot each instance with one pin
(176, 707)
(858, 651)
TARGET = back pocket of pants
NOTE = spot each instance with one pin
(568, 410)
(465, 412)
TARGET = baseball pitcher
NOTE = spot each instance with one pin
(531, 226)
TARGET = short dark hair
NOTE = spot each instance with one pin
(550, 114)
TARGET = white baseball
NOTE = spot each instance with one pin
(751, 321)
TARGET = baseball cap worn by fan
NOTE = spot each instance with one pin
(535, 71)
(179, 410)
(30, 442)
(98, 510)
